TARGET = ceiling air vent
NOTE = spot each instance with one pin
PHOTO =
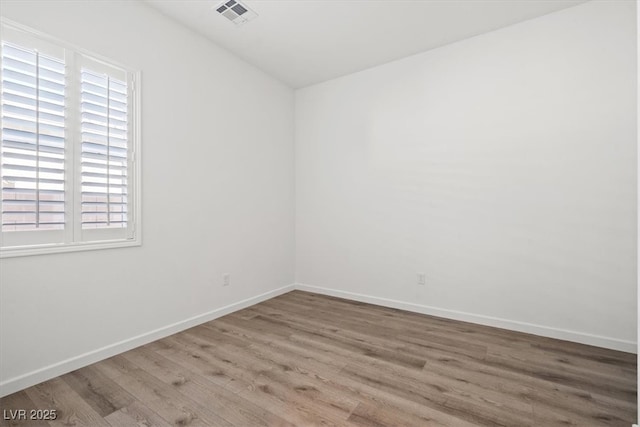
(236, 12)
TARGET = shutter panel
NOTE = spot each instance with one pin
(33, 140)
(104, 162)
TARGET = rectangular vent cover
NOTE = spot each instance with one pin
(236, 12)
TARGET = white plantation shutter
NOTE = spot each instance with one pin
(68, 166)
(33, 140)
(104, 111)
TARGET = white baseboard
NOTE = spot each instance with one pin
(27, 380)
(545, 331)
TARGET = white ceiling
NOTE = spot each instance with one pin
(302, 42)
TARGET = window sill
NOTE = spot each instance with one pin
(19, 251)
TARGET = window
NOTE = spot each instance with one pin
(69, 148)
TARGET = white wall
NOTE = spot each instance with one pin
(217, 197)
(502, 166)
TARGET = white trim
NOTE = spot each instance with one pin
(31, 378)
(545, 331)
(27, 380)
(136, 157)
(18, 251)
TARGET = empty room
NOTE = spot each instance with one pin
(318, 213)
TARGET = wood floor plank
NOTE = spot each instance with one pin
(279, 382)
(326, 377)
(372, 416)
(327, 361)
(213, 363)
(303, 359)
(100, 392)
(352, 345)
(570, 362)
(225, 403)
(10, 407)
(561, 375)
(288, 404)
(583, 415)
(136, 414)
(160, 397)
(539, 392)
(70, 408)
(287, 372)
(442, 382)
(440, 399)
(384, 337)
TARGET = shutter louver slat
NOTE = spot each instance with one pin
(104, 185)
(33, 140)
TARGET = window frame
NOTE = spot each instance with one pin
(74, 56)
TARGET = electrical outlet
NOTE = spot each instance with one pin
(422, 279)
(226, 279)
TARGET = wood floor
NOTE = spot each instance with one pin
(304, 360)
